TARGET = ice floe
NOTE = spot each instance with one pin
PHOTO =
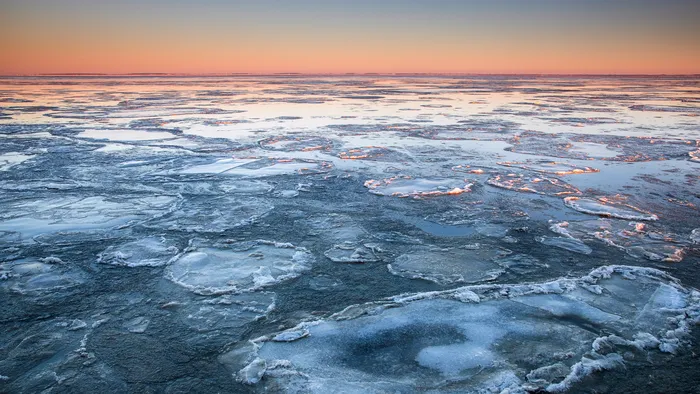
(538, 185)
(486, 338)
(603, 206)
(470, 264)
(238, 267)
(150, 251)
(406, 186)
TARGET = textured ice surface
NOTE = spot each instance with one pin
(570, 244)
(149, 252)
(539, 185)
(352, 253)
(125, 135)
(214, 215)
(246, 266)
(230, 312)
(80, 214)
(607, 207)
(470, 264)
(551, 167)
(638, 239)
(11, 159)
(490, 338)
(130, 209)
(406, 186)
(30, 276)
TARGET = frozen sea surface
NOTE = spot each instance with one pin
(349, 234)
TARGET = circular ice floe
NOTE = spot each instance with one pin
(486, 338)
(245, 266)
(606, 207)
(31, 276)
(145, 252)
(449, 266)
(406, 186)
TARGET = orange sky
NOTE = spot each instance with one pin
(461, 37)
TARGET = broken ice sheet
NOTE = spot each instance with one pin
(213, 215)
(470, 264)
(32, 217)
(11, 159)
(550, 167)
(635, 238)
(229, 312)
(486, 338)
(528, 184)
(125, 135)
(406, 186)
(570, 244)
(349, 252)
(145, 252)
(238, 267)
(296, 143)
(34, 277)
(608, 206)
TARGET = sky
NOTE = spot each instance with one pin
(350, 36)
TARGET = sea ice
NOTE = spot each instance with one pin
(570, 244)
(214, 215)
(485, 338)
(607, 207)
(550, 167)
(238, 267)
(539, 185)
(405, 186)
(11, 159)
(471, 264)
(150, 251)
(30, 276)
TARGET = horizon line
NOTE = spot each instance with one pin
(398, 74)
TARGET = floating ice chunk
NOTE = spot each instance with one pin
(125, 135)
(635, 238)
(336, 228)
(296, 143)
(448, 266)
(276, 167)
(351, 253)
(550, 167)
(521, 183)
(214, 215)
(695, 236)
(593, 149)
(528, 337)
(11, 159)
(238, 267)
(28, 276)
(371, 153)
(217, 167)
(229, 313)
(406, 186)
(81, 214)
(137, 325)
(520, 263)
(145, 252)
(253, 372)
(571, 244)
(607, 207)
